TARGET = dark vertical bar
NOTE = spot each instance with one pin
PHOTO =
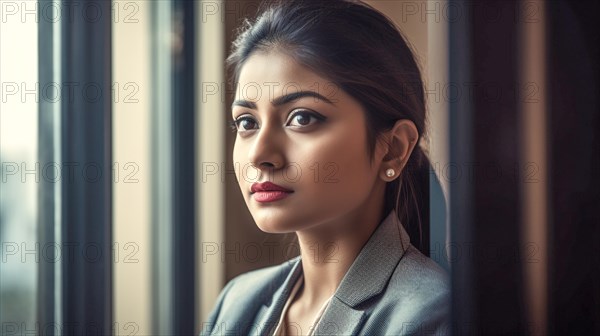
(86, 152)
(496, 209)
(184, 155)
(461, 190)
(574, 157)
(46, 154)
(486, 205)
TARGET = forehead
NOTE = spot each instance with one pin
(274, 72)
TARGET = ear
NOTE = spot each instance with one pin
(399, 143)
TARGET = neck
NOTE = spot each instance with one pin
(327, 254)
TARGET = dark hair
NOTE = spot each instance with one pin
(363, 53)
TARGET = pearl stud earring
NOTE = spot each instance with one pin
(390, 172)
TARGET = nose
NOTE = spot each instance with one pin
(267, 150)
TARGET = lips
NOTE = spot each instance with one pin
(268, 186)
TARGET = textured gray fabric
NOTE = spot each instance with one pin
(390, 289)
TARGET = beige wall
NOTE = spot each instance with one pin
(131, 141)
(210, 214)
(412, 25)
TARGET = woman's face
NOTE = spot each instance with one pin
(299, 131)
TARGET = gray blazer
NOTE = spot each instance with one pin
(390, 289)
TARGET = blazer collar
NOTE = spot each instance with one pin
(375, 263)
(366, 278)
(268, 316)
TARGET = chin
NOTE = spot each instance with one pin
(273, 227)
(272, 223)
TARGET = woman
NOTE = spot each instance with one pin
(329, 109)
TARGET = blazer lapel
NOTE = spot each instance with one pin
(366, 278)
(269, 314)
(340, 319)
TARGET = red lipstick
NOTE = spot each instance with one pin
(269, 192)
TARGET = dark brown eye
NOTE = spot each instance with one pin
(248, 124)
(304, 118)
(245, 123)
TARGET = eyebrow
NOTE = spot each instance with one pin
(281, 100)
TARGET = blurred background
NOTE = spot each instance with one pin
(119, 209)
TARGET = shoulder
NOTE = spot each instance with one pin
(244, 295)
(421, 281)
(417, 298)
(420, 274)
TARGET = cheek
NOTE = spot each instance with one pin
(339, 171)
(238, 159)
